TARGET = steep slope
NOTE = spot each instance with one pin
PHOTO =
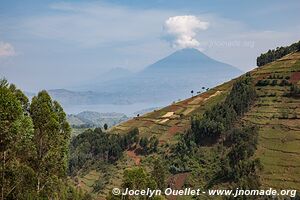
(276, 113)
(278, 118)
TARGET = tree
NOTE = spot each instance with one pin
(15, 134)
(153, 144)
(192, 92)
(159, 174)
(137, 179)
(105, 126)
(144, 144)
(51, 139)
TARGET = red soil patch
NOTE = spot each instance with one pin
(173, 130)
(162, 141)
(134, 157)
(176, 182)
(295, 77)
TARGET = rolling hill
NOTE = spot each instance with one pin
(276, 114)
(90, 119)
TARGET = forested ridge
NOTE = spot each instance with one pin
(277, 53)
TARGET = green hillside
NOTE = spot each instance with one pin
(275, 113)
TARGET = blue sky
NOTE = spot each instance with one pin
(61, 44)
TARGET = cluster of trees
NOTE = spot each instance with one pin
(98, 145)
(34, 141)
(274, 82)
(277, 53)
(238, 166)
(149, 145)
(278, 76)
(221, 116)
(139, 179)
(294, 91)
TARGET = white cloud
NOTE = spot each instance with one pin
(6, 49)
(183, 30)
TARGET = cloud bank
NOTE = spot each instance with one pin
(182, 30)
(6, 49)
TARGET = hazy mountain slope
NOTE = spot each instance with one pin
(190, 59)
(95, 119)
(173, 77)
(166, 80)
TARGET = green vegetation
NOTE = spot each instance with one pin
(220, 117)
(34, 147)
(294, 91)
(214, 140)
(238, 166)
(94, 145)
(148, 145)
(244, 133)
(279, 52)
(234, 150)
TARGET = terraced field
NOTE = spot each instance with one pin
(279, 120)
(173, 119)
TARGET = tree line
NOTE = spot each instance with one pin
(277, 53)
(98, 145)
(221, 117)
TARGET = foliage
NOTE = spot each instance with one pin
(294, 91)
(51, 140)
(221, 116)
(159, 173)
(33, 147)
(279, 52)
(138, 179)
(98, 145)
(105, 126)
(238, 166)
(149, 145)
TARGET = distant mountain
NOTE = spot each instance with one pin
(95, 119)
(188, 59)
(146, 110)
(168, 79)
(173, 77)
(68, 97)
